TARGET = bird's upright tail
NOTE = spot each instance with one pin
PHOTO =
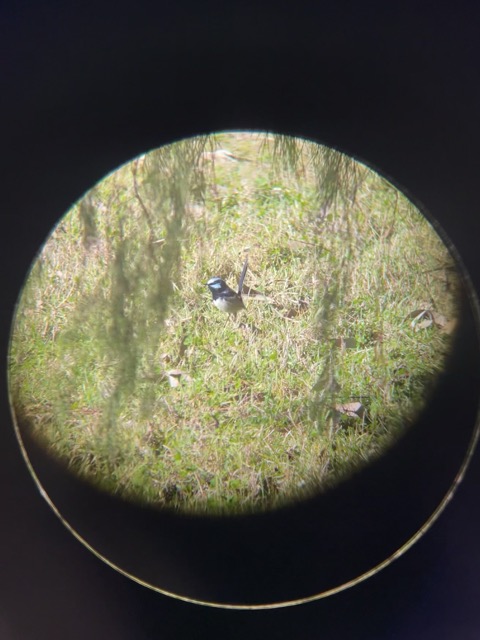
(242, 276)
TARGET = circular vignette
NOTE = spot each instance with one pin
(191, 557)
(127, 373)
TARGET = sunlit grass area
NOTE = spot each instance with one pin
(122, 366)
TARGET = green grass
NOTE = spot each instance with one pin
(116, 300)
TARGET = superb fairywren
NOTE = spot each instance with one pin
(225, 298)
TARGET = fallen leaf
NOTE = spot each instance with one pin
(422, 319)
(351, 409)
(450, 327)
(175, 375)
(423, 324)
(439, 320)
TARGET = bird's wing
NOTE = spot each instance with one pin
(242, 276)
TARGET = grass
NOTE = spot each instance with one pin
(121, 365)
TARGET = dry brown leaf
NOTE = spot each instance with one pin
(450, 327)
(351, 409)
(422, 319)
(439, 320)
(175, 376)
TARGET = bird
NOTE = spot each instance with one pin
(224, 297)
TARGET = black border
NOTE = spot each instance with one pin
(90, 87)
